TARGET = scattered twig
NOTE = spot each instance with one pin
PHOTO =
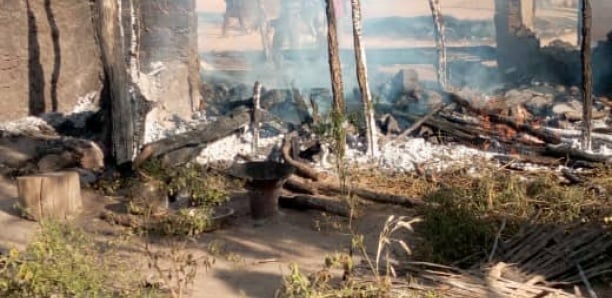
(496, 242)
(265, 261)
(586, 282)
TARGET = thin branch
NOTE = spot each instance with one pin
(587, 284)
(497, 237)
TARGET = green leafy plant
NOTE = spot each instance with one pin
(203, 189)
(185, 222)
(64, 261)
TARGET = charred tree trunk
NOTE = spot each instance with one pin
(151, 63)
(362, 79)
(336, 78)
(436, 14)
(587, 73)
(109, 23)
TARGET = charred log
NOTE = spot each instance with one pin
(320, 187)
(310, 202)
(202, 135)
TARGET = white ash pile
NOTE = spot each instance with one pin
(406, 155)
(230, 148)
(85, 109)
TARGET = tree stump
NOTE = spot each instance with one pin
(55, 195)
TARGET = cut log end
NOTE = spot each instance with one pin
(55, 195)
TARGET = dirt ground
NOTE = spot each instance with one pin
(250, 260)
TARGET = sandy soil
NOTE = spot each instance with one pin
(210, 39)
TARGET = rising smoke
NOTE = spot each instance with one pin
(392, 42)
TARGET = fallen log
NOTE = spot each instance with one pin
(572, 133)
(521, 158)
(302, 168)
(467, 133)
(202, 135)
(29, 154)
(567, 151)
(320, 187)
(321, 203)
(543, 134)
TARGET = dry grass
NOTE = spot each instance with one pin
(466, 208)
(463, 217)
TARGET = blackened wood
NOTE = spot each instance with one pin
(302, 168)
(108, 19)
(493, 117)
(321, 203)
(202, 135)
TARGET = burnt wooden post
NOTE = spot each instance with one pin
(587, 73)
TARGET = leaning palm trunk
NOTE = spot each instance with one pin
(440, 42)
(362, 79)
